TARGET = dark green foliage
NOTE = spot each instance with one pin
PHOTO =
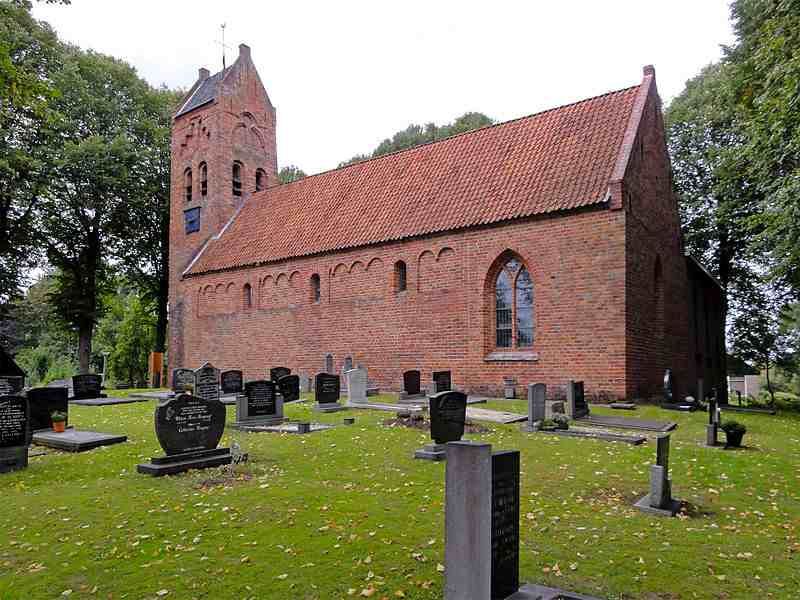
(414, 135)
(733, 427)
(290, 174)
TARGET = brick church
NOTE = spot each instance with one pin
(546, 248)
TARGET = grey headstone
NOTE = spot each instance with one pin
(537, 394)
(660, 492)
(348, 363)
(305, 383)
(328, 364)
(356, 385)
(662, 451)
(711, 434)
(206, 382)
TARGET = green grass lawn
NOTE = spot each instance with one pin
(349, 513)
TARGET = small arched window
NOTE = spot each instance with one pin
(187, 184)
(237, 178)
(514, 324)
(261, 179)
(247, 296)
(400, 281)
(316, 293)
(203, 179)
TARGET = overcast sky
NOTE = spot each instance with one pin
(344, 74)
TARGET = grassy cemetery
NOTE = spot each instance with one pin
(348, 512)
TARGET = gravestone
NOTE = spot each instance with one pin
(182, 380)
(189, 429)
(232, 382)
(712, 429)
(329, 364)
(356, 385)
(576, 400)
(87, 386)
(11, 385)
(206, 383)
(537, 395)
(442, 381)
(277, 372)
(668, 387)
(43, 403)
(15, 434)
(11, 373)
(505, 523)
(326, 393)
(260, 405)
(509, 388)
(660, 501)
(289, 387)
(411, 392)
(305, 383)
(448, 414)
(348, 363)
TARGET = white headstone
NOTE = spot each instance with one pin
(356, 385)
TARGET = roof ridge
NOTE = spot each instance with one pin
(456, 135)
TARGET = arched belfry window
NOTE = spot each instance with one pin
(247, 296)
(400, 279)
(316, 292)
(236, 176)
(187, 184)
(261, 180)
(513, 306)
(203, 180)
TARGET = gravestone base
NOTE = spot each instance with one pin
(76, 440)
(711, 435)
(670, 510)
(406, 398)
(255, 424)
(435, 452)
(680, 407)
(328, 407)
(179, 463)
(13, 458)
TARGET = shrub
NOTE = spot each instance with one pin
(561, 421)
(733, 427)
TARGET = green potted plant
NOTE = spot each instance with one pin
(59, 420)
(734, 432)
(561, 421)
(547, 425)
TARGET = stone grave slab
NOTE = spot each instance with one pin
(605, 436)
(298, 428)
(189, 429)
(15, 435)
(108, 401)
(76, 440)
(494, 416)
(748, 409)
(326, 393)
(627, 423)
(532, 591)
(623, 405)
(158, 396)
(410, 408)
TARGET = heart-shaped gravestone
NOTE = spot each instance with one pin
(188, 424)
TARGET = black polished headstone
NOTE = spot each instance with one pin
(206, 382)
(14, 421)
(505, 523)
(182, 380)
(277, 372)
(43, 403)
(86, 386)
(662, 451)
(448, 412)
(232, 382)
(411, 382)
(442, 381)
(579, 405)
(10, 385)
(668, 387)
(8, 366)
(289, 386)
(326, 388)
(261, 401)
(187, 423)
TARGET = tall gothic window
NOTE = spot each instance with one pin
(187, 184)
(237, 178)
(261, 180)
(514, 306)
(203, 180)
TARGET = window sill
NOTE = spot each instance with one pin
(511, 356)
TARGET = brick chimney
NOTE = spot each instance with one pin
(244, 51)
(649, 70)
(203, 73)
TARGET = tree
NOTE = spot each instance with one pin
(101, 101)
(290, 174)
(414, 135)
(29, 55)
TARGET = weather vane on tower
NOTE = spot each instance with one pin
(222, 43)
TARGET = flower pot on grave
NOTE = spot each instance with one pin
(59, 426)
(733, 439)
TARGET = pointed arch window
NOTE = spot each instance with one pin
(236, 177)
(316, 292)
(261, 179)
(514, 326)
(203, 179)
(187, 185)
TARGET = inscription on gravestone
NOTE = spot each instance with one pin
(86, 386)
(206, 382)
(182, 380)
(14, 417)
(505, 523)
(261, 400)
(326, 388)
(411, 382)
(441, 381)
(10, 385)
(448, 413)
(277, 372)
(43, 403)
(231, 381)
(662, 451)
(189, 424)
(289, 386)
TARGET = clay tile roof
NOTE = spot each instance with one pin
(556, 160)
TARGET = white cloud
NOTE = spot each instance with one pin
(344, 75)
